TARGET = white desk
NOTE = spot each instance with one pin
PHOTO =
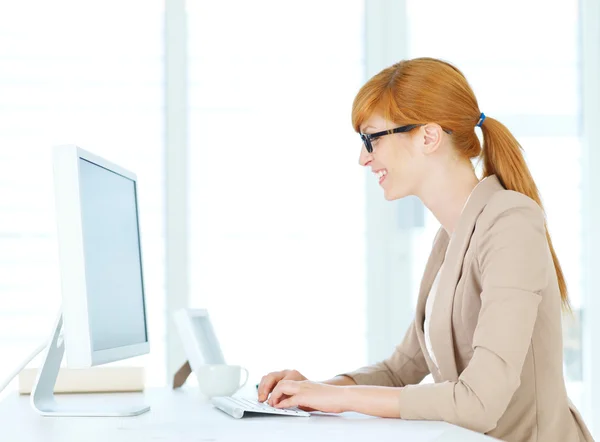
(184, 416)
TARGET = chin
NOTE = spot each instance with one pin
(392, 194)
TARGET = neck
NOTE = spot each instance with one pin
(447, 191)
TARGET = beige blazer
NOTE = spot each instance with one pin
(495, 329)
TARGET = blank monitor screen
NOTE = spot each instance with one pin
(113, 264)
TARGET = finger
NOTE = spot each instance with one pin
(290, 402)
(267, 384)
(279, 392)
(283, 388)
(276, 395)
(274, 401)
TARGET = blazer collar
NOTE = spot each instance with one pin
(453, 251)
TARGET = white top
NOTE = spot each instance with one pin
(433, 292)
(428, 310)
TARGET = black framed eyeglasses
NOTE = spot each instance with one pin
(367, 138)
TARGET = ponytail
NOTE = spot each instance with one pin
(502, 156)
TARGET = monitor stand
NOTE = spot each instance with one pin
(42, 395)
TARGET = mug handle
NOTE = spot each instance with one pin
(245, 380)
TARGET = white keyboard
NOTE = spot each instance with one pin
(237, 407)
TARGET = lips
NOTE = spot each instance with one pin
(380, 174)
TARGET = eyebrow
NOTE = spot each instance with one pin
(365, 128)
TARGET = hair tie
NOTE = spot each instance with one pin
(481, 120)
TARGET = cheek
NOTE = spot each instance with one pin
(401, 159)
(404, 170)
(408, 152)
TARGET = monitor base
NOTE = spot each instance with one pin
(44, 402)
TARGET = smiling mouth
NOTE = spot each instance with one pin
(381, 174)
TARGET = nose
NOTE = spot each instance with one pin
(365, 157)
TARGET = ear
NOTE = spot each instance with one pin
(432, 138)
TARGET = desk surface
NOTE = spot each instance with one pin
(184, 416)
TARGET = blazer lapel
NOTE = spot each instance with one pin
(441, 333)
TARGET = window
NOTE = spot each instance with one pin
(75, 73)
(277, 197)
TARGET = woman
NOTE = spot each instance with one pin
(488, 319)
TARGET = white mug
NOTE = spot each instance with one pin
(220, 379)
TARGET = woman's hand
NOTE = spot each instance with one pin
(309, 396)
(268, 382)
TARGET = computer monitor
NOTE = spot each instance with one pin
(103, 315)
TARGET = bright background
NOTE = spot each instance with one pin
(236, 117)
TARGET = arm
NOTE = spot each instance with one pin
(404, 367)
(342, 394)
(341, 381)
(514, 261)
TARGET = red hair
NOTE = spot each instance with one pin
(424, 90)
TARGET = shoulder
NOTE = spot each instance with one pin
(511, 243)
(512, 222)
(513, 208)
